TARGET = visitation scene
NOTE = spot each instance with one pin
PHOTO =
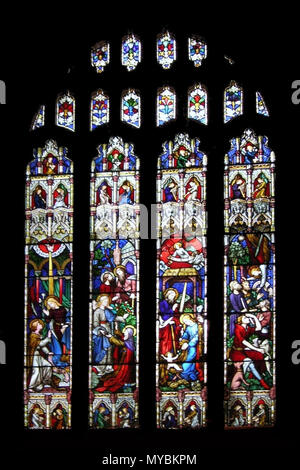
(114, 287)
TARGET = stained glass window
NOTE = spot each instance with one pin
(166, 50)
(166, 105)
(114, 287)
(99, 109)
(197, 103)
(261, 107)
(65, 111)
(100, 55)
(233, 101)
(111, 299)
(39, 119)
(131, 108)
(197, 50)
(181, 335)
(249, 283)
(48, 289)
(131, 52)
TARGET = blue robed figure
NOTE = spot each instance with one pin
(191, 335)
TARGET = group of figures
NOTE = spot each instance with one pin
(114, 309)
(249, 283)
(181, 307)
(48, 315)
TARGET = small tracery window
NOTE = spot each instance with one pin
(100, 56)
(166, 105)
(166, 50)
(131, 108)
(99, 109)
(261, 107)
(39, 119)
(233, 102)
(131, 52)
(197, 50)
(65, 111)
(197, 103)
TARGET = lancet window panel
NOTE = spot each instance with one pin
(48, 289)
(114, 287)
(249, 283)
(181, 334)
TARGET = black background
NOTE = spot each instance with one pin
(42, 59)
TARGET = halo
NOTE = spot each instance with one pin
(120, 266)
(169, 290)
(51, 297)
(129, 326)
(103, 295)
(186, 315)
(105, 272)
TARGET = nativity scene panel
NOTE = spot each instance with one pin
(181, 326)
